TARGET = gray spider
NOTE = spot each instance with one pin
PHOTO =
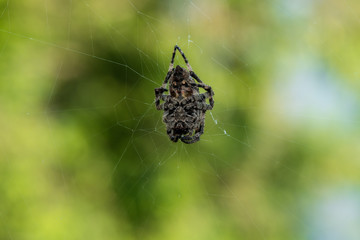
(185, 107)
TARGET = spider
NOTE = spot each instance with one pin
(185, 107)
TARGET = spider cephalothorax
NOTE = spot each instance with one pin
(184, 109)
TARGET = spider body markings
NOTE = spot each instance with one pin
(185, 107)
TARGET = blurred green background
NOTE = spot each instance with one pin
(83, 151)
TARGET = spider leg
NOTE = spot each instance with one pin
(168, 75)
(183, 55)
(160, 96)
(172, 59)
(195, 76)
(209, 94)
(159, 106)
(159, 91)
(173, 137)
(195, 137)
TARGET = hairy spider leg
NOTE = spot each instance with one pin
(208, 95)
(159, 94)
(195, 137)
(183, 55)
(159, 91)
(168, 75)
(172, 137)
(192, 74)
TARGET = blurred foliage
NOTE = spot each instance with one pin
(83, 151)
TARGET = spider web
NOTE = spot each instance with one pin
(86, 152)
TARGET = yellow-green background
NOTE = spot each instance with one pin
(84, 154)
